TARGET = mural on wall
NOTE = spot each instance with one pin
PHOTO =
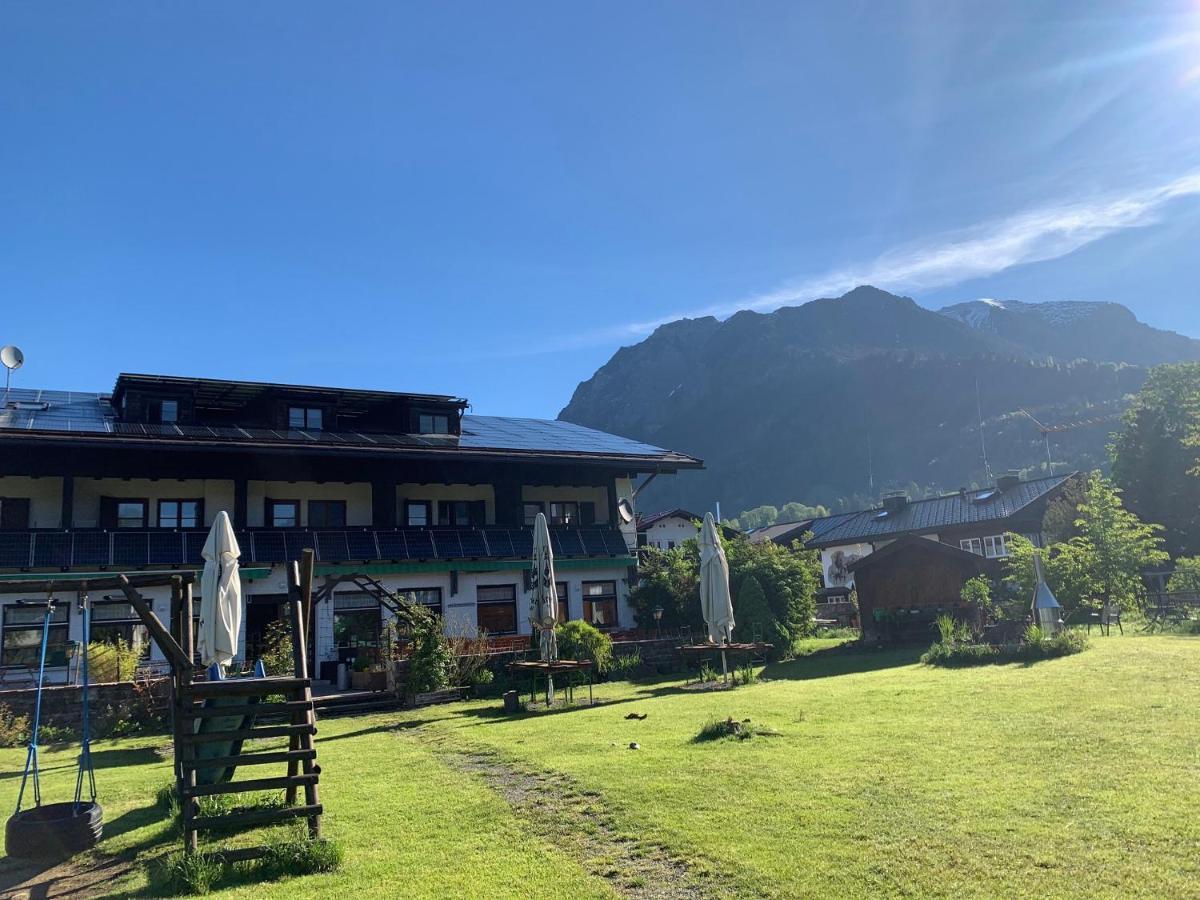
(839, 567)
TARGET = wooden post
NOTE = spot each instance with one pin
(187, 748)
(301, 599)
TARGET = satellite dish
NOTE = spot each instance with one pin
(12, 357)
(625, 511)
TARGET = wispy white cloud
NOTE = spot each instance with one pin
(1033, 236)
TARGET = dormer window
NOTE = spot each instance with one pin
(433, 423)
(305, 417)
(162, 412)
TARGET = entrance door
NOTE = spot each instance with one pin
(261, 611)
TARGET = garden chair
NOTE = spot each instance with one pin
(1110, 614)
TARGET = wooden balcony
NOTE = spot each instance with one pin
(139, 549)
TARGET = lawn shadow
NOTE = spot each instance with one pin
(846, 659)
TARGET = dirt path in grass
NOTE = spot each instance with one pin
(577, 821)
(83, 877)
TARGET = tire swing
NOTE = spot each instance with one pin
(57, 830)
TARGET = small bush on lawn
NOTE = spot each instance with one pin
(1036, 645)
(708, 673)
(297, 856)
(580, 640)
(719, 729)
(745, 674)
(185, 873)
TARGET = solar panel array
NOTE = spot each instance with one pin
(84, 413)
(135, 549)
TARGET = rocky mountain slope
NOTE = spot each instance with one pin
(833, 401)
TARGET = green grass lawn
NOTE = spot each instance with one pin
(1076, 776)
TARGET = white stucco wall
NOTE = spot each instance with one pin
(217, 494)
(45, 498)
(357, 496)
(671, 531)
(547, 493)
(436, 492)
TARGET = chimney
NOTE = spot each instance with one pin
(1008, 480)
(895, 502)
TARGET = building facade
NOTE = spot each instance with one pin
(978, 522)
(406, 488)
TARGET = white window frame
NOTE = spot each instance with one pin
(971, 545)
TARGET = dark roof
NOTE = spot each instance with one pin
(780, 531)
(909, 542)
(924, 516)
(215, 393)
(33, 413)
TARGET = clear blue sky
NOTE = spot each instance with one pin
(489, 198)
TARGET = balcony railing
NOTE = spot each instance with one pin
(169, 547)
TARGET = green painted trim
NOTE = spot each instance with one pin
(249, 574)
(481, 565)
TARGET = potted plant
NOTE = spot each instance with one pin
(377, 679)
(360, 674)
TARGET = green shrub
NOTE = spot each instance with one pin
(745, 674)
(1034, 647)
(719, 729)
(186, 873)
(579, 640)
(753, 615)
(113, 661)
(626, 665)
(431, 658)
(298, 856)
(276, 655)
(708, 673)
(14, 729)
(978, 592)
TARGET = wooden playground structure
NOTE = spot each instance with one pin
(211, 719)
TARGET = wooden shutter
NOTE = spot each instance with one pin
(587, 512)
(14, 512)
(108, 512)
(443, 513)
(268, 519)
(478, 513)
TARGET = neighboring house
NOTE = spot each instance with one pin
(904, 587)
(430, 502)
(977, 522)
(669, 529)
(782, 533)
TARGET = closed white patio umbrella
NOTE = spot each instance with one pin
(220, 595)
(543, 612)
(715, 600)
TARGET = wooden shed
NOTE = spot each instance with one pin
(904, 586)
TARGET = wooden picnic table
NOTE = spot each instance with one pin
(537, 667)
(699, 651)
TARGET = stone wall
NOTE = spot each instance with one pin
(143, 702)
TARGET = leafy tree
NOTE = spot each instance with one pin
(1105, 559)
(978, 591)
(759, 517)
(752, 613)
(798, 512)
(1186, 577)
(1058, 524)
(789, 577)
(1156, 454)
(1120, 545)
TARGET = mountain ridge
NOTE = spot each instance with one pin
(828, 401)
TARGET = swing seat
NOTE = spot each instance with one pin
(54, 830)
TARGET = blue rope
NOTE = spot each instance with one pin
(31, 758)
(85, 750)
